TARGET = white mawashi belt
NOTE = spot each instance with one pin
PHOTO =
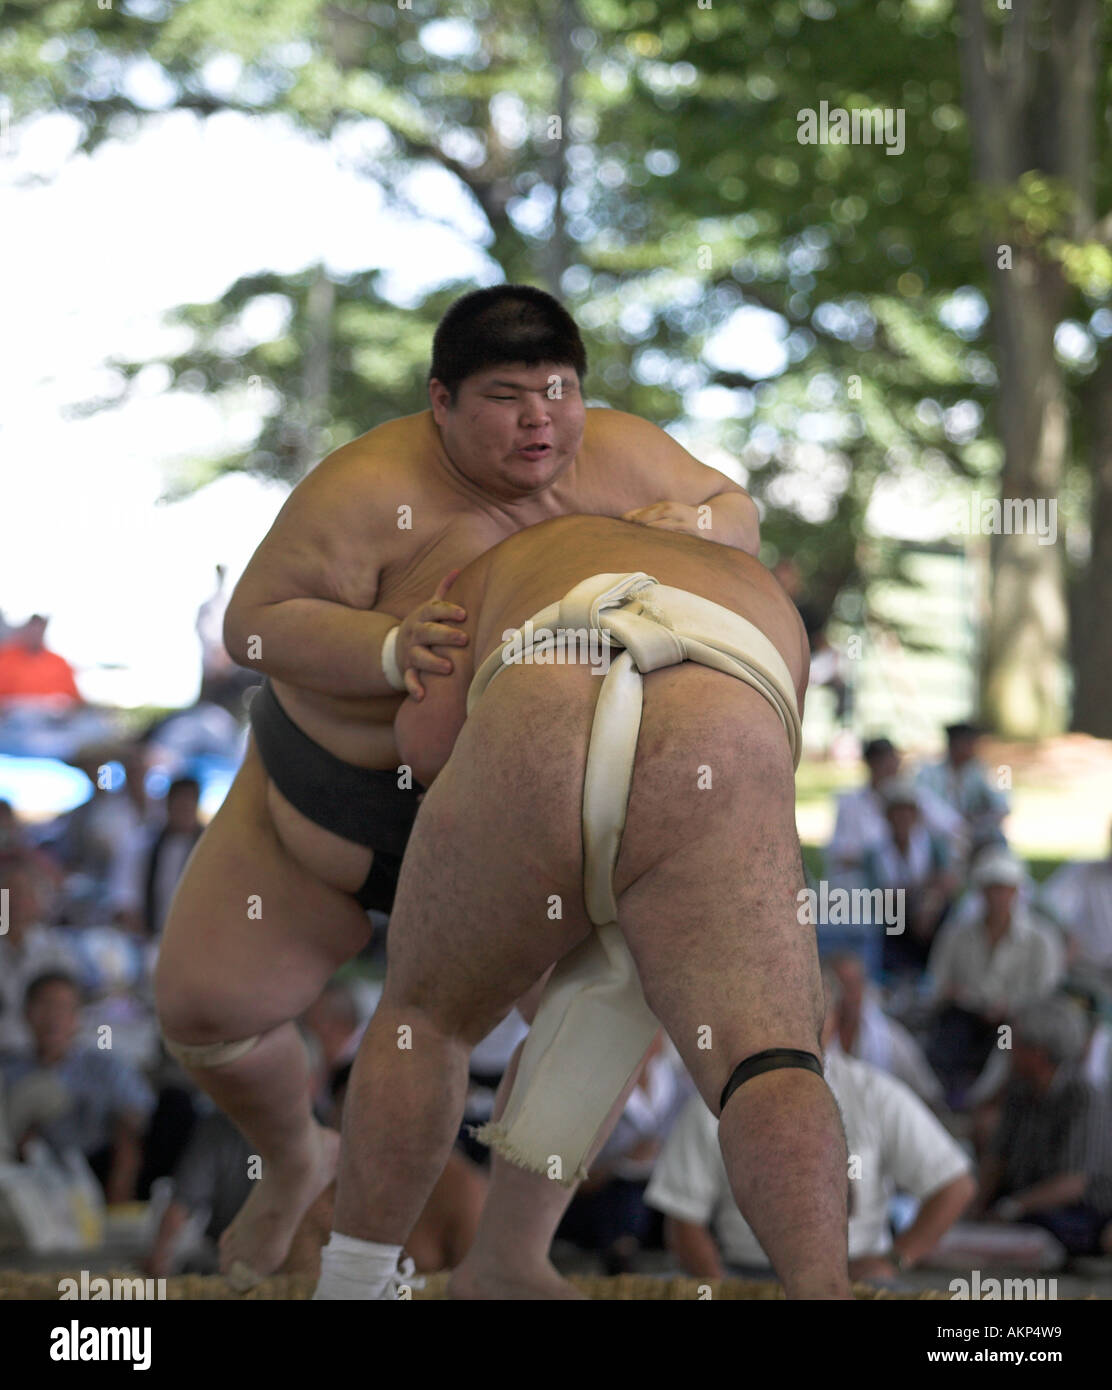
(592, 1025)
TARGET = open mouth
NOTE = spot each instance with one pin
(535, 451)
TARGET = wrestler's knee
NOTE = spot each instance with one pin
(426, 1005)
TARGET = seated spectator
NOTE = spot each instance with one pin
(1078, 896)
(211, 1181)
(983, 971)
(27, 948)
(109, 1102)
(608, 1213)
(894, 1142)
(866, 1032)
(146, 871)
(961, 780)
(99, 842)
(911, 860)
(12, 838)
(861, 825)
(1050, 1160)
(986, 1095)
(29, 672)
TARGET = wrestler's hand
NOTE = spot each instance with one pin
(668, 516)
(426, 627)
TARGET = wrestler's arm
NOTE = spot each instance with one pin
(300, 612)
(425, 730)
(699, 500)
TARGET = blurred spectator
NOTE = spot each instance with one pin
(29, 672)
(1078, 896)
(866, 1032)
(961, 780)
(910, 859)
(27, 948)
(11, 832)
(608, 1213)
(1095, 1067)
(1050, 1160)
(15, 840)
(983, 971)
(99, 842)
(894, 1142)
(860, 824)
(109, 1102)
(211, 1182)
(146, 870)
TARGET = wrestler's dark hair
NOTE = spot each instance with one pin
(506, 323)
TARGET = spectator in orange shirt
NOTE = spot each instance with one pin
(28, 671)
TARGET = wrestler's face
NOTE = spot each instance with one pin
(513, 429)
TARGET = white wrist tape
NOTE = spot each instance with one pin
(390, 668)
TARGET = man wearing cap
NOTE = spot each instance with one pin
(860, 823)
(984, 970)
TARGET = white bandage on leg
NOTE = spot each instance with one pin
(352, 1269)
(593, 1025)
(209, 1054)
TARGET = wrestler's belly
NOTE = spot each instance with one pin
(327, 856)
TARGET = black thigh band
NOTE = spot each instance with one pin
(768, 1061)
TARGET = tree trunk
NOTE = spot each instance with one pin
(1092, 704)
(1029, 98)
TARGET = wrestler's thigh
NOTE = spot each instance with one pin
(490, 893)
(252, 937)
(709, 874)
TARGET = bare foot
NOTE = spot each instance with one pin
(472, 1281)
(258, 1240)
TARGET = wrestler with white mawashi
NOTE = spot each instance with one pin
(550, 787)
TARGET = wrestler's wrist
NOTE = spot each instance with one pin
(395, 677)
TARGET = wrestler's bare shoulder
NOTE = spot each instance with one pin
(396, 454)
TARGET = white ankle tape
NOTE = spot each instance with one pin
(209, 1054)
(357, 1269)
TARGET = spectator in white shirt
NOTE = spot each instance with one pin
(983, 971)
(894, 1142)
(866, 1032)
(860, 823)
(911, 860)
